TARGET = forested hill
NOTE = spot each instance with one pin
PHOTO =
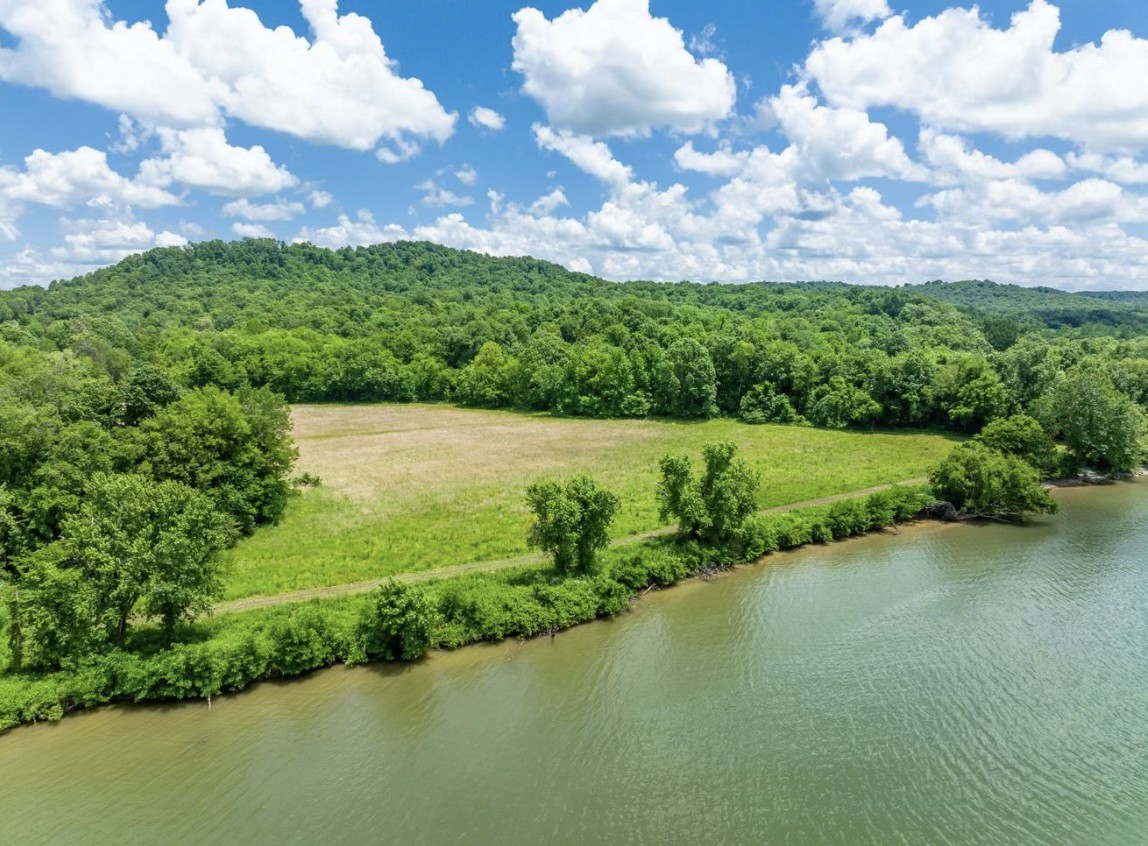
(1100, 312)
(222, 285)
(415, 321)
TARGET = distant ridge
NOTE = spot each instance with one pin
(170, 285)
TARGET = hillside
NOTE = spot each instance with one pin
(415, 321)
(1104, 312)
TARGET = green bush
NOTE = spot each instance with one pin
(400, 625)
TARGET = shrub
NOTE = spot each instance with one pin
(399, 624)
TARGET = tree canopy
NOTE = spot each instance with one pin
(571, 520)
(714, 507)
(982, 481)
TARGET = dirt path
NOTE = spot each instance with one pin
(252, 602)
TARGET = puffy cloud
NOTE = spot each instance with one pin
(1122, 169)
(467, 175)
(485, 118)
(202, 158)
(69, 48)
(87, 243)
(251, 230)
(958, 72)
(839, 143)
(588, 155)
(955, 161)
(721, 162)
(248, 210)
(838, 15)
(351, 233)
(216, 61)
(613, 69)
(548, 203)
(76, 177)
(1012, 200)
(106, 241)
(320, 199)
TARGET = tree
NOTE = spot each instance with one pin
(982, 481)
(237, 448)
(1101, 426)
(1024, 437)
(486, 380)
(763, 404)
(571, 521)
(695, 377)
(837, 404)
(399, 624)
(149, 547)
(711, 509)
(11, 543)
(146, 389)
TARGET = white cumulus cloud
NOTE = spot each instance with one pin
(486, 118)
(77, 177)
(248, 210)
(956, 71)
(839, 15)
(588, 155)
(251, 230)
(216, 61)
(202, 158)
(614, 69)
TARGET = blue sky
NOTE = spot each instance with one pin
(861, 140)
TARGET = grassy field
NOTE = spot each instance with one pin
(414, 487)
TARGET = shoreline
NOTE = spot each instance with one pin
(914, 526)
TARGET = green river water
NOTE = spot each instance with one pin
(955, 684)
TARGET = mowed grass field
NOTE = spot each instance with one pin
(415, 487)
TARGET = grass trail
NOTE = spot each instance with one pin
(253, 602)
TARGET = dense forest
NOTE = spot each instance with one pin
(142, 409)
(414, 321)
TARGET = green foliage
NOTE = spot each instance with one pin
(982, 481)
(399, 624)
(837, 404)
(571, 521)
(713, 508)
(134, 547)
(763, 404)
(146, 390)
(173, 366)
(1024, 437)
(236, 447)
(1101, 426)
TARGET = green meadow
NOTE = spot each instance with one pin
(414, 487)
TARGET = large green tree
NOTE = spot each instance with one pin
(1101, 426)
(571, 520)
(1024, 437)
(135, 547)
(714, 507)
(982, 481)
(235, 447)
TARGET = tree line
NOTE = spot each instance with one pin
(416, 322)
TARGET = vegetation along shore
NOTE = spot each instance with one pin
(453, 410)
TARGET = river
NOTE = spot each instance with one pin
(954, 684)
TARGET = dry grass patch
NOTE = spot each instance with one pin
(412, 487)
